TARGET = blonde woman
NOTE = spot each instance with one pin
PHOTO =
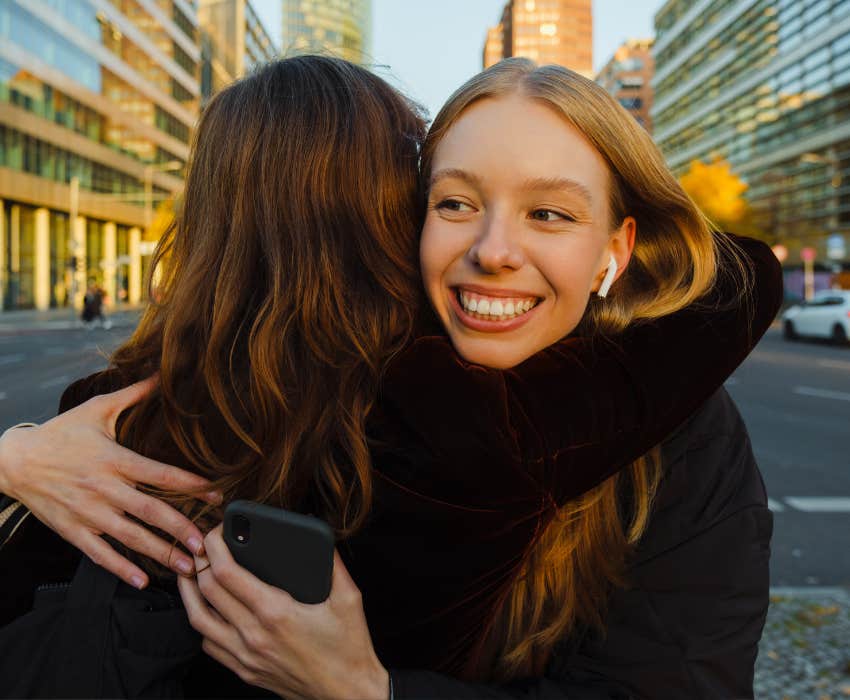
(559, 251)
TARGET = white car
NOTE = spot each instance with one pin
(827, 315)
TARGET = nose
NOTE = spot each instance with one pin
(497, 247)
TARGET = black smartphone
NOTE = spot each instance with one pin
(288, 550)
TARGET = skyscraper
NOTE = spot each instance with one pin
(546, 31)
(628, 77)
(341, 27)
(233, 41)
(97, 101)
(765, 85)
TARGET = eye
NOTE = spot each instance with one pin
(547, 215)
(454, 205)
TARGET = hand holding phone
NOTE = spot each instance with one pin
(288, 550)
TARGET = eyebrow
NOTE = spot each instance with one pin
(531, 184)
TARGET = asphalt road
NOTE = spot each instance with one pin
(795, 398)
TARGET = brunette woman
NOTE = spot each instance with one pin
(265, 387)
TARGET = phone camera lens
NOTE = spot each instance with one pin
(241, 529)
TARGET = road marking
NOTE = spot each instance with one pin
(824, 504)
(11, 359)
(822, 393)
(2, 395)
(64, 379)
(775, 506)
(835, 364)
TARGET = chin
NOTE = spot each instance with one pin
(492, 357)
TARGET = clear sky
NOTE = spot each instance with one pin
(429, 47)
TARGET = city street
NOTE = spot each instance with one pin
(795, 398)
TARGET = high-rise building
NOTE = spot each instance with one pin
(546, 31)
(628, 77)
(233, 41)
(340, 27)
(97, 101)
(764, 84)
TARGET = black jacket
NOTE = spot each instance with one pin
(690, 624)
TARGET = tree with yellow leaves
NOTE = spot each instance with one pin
(718, 191)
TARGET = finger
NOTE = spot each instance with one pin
(162, 516)
(145, 542)
(164, 476)
(231, 609)
(240, 583)
(102, 554)
(202, 618)
(115, 403)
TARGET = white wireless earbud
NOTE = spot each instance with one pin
(609, 278)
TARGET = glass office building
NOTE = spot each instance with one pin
(341, 27)
(233, 41)
(764, 84)
(546, 31)
(97, 102)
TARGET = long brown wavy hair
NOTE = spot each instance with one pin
(287, 281)
(569, 571)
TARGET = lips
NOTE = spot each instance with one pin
(503, 310)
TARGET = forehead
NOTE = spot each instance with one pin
(515, 139)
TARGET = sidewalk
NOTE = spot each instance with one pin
(805, 651)
(12, 322)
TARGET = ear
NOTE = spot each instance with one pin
(621, 244)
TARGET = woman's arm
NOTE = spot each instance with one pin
(583, 408)
(73, 476)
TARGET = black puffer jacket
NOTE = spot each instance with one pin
(689, 626)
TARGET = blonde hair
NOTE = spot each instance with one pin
(571, 567)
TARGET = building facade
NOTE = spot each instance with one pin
(233, 41)
(341, 27)
(764, 84)
(546, 31)
(97, 102)
(628, 77)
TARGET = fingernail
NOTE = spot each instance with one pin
(215, 497)
(138, 582)
(196, 545)
(185, 566)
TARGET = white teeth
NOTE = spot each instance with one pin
(496, 309)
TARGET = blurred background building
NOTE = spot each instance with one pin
(628, 77)
(546, 31)
(763, 86)
(97, 101)
(340, 27)
(233, 40)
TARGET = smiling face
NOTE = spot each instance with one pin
(517, 234)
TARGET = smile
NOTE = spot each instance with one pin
(488, 312)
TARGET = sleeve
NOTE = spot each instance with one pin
(583, 408)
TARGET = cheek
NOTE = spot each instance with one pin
(435, 252)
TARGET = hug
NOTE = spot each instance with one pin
(489, 355)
